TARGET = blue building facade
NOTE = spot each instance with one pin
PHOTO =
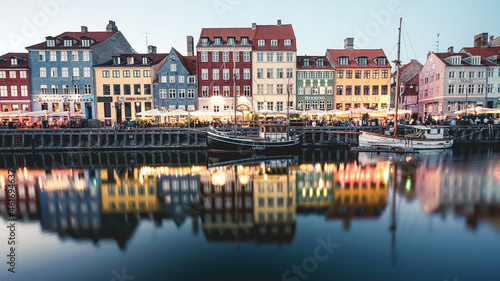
(62, 77)
(176, 86)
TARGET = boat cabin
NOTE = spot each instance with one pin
(429, 132)
(274, 132)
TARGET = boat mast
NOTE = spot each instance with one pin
(398, 63)
(234, 86)
(287, 121)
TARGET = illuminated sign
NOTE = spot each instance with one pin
(361, 99)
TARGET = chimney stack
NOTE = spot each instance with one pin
(190, 45)
(279, 22)
(151, 49)
(254, 26)
(84, 29)
(450, 50)
(349, 44)
(481, 40)
(111, 27)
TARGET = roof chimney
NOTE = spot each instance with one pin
(111, 27)
(151, 49)
(349, 44)
(481, 40)
(254, 26)
(84, 29)
(190, 45)
(428, 54)
(450, 50)
(279, 22)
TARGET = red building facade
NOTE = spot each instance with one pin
(224, 60)
(14, 82)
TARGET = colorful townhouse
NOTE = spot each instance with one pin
(124, 86)
(273, 66)
(489, 51)
(452, 81)
(315, 83)
(408, 83)
(362, 77)
(62, 77)
(14, 82)
(176, 84)
(224, 66)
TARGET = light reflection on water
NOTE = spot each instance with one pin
(259, 217)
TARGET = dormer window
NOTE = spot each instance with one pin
(130, 60)
(204, 42)
(13, 61)
(343, 60)
(320, 62)
(51, 42)
(381, 61)
(288, 42)
(476, 60)
(231, 41)
(145, 60)
(274, 43)
(68, 42)
(244, 40)
(261, 43)
(456, 60)
(306, 62)
(218, 41)
(116, 60)
(363, 61)
(85, 42)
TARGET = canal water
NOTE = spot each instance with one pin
(190, 215)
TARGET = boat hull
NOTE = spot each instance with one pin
(372, 139)
(217, 141)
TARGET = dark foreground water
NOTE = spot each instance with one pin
(322, 215)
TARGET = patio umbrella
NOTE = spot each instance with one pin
(476, 110)
(15, 113)
(291, 111)
(313, 112)
(151, 112)
(177, 112)
(202, 112)
(336, 112)
(67, 114)
(39, 113)
(265, 111)
(362, 110)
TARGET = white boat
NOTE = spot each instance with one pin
(422, 137)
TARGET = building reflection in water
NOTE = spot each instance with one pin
(256, 201)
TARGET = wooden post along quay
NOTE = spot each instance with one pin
(184, 138)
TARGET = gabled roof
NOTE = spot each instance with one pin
(189, 62)
(312, 61)
(411, 87)
(279, 32)
(483, 52)
(225, 33)
(99, 38)
(444, 56)
(153, 59)
(5, 60)
(371, 54)
(405, 66)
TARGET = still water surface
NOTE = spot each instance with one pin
(321, 215)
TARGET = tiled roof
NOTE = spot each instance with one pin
(444, 56)
(5, 60)
(189, 62)
(371, 54)
(411, 86)
(270, 32)
(225, 33)
(483, 52)
(312, 60)
(154, 59)
(99, 38)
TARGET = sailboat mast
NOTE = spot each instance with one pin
(234, 85)
(396, 97)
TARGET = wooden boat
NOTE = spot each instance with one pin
(272, 138)
(423, 137)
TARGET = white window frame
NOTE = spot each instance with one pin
(43, 72)
(53, 72)
(261, 43)
(64, 55)
(86, 55)
(74, 55)
(52, 56)
(86, 72)
(288, 42)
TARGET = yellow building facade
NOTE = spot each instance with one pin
(124, 86)
(362, 77)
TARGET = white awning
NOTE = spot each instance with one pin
(171, 107)
(191, 107)
(183, 107)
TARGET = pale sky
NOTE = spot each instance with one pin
(318, 24)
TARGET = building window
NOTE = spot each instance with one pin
(53, 72)
(137, 89)
(24, 91)
(204, 74)
(461, 74)
(381, 61)
(343, 61)
(470, 89)
(289, 73)
(289, 57)
(74, 55)
(217, 41)
(260, 89)
(300, 90)
(246, 74)
(13, 91)
(270, 57)
(3, 74)
(261, 43)
(362, 61)
(182, 93)
(357, 74)
(215, 56)
(357, 90)
(274, 43)
(231, 41)
(181, 79)
(260, 73)
(52, 56)
(329, 90)
(279, 89)
(137, 73)
(279, 57)
(225, 56)
(225, 74)
(366, 90)
(171, 93)
(472, 74)
(270, 72)
(41, 56)
(204, 92)
(375, 74)
(348, 90)
(340, 74)
(384, 90)
(86, 55)
(190, 93)
(308, 90)
(348, 74)
(55, 90)
(126, 89)
(147, 73)
(43, 72)
(246, 56)
(76, 89)
(106, 89)
(279, 73)
(171, 79)
(126, 73)
(215, 74)
(225, 91)
(216, 91)
(246, 91)
(116, 73)
(86, 72)
(163, 93)
(320, 62)
(88, 89)
(385, 73)
(3, 92)
(204, 42)
(340, 89)
(260, 57)
(270, 88)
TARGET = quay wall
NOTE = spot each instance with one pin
(183, 138)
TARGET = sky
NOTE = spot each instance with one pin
(318, 24)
